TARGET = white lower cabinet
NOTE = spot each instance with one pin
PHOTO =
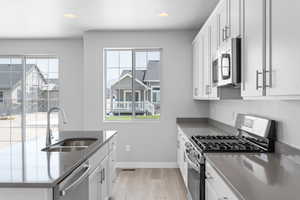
(216, 188)
(181, 160)
(94, 188)
(102, 178)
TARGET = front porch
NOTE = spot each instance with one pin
(140, 107)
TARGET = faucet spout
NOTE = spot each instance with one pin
(49, 131)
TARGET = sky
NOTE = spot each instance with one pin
(117, 61)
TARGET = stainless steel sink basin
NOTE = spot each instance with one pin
(78, 142)
(63, 149)
(71, 144)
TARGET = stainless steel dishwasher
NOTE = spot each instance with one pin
(75, 186)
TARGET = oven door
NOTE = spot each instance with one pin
(196, 179)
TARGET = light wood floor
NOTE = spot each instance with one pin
(149, 184)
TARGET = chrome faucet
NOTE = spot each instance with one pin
(49, 131)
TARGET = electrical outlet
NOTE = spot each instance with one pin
(127, 148)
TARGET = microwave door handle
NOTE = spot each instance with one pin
(64, 191)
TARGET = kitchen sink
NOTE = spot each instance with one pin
(71, 144)
(63, 148)
(78, 142)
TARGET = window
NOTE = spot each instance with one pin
(1, 97)
(29, 87)
(128, 72)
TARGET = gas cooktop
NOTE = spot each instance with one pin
(253, 134)
(224, 143)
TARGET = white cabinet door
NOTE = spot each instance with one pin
(94, 185)
(253, 48)
(112, 171)
(284, 46)
(234, 18)
(222, 12)
(196, 67)
(104, 179)
(206, 61)
(214, 45)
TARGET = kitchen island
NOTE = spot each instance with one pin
(27, 171)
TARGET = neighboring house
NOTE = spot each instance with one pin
(37, 88)
(147, 91)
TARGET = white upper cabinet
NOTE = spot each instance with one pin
(206, 61)
(221, 26)
(283, 47)
(214, 45)
(197, 67)
(253, 48)
(222, 13)
(234, 18)
(270, 49)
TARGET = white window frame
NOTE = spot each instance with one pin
(23, 58)
(104, 75)
(130, 91)
(153, 91)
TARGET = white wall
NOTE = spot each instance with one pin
(150, 141)
(287, 113)
(70, 53)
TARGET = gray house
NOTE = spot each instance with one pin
(37, 89)
(147, 91)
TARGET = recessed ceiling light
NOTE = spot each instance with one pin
(70, 16)
(163, 14)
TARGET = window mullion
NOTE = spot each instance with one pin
(133, 81)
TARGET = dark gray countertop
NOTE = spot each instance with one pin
(31, 167)
(260, 176)
(265, 176)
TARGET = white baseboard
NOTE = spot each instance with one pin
(146, 165)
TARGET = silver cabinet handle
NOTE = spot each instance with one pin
(257, 77)
(103, 177)
(223, 198)
(223, 35)
(86, 168)
(270, 78)
(227, 32)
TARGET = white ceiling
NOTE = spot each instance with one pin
(44, 18)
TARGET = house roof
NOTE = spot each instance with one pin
(10, 75)
(150, 74)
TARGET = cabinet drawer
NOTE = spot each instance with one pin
(98, 156)
(222, 190)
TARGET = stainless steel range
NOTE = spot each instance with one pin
(253, 135)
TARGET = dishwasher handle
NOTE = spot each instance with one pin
(85, 171)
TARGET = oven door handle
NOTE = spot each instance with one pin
(193, 165)
(85, 171)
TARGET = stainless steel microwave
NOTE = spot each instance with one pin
(229, 63)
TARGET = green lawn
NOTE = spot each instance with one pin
(129, 117)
